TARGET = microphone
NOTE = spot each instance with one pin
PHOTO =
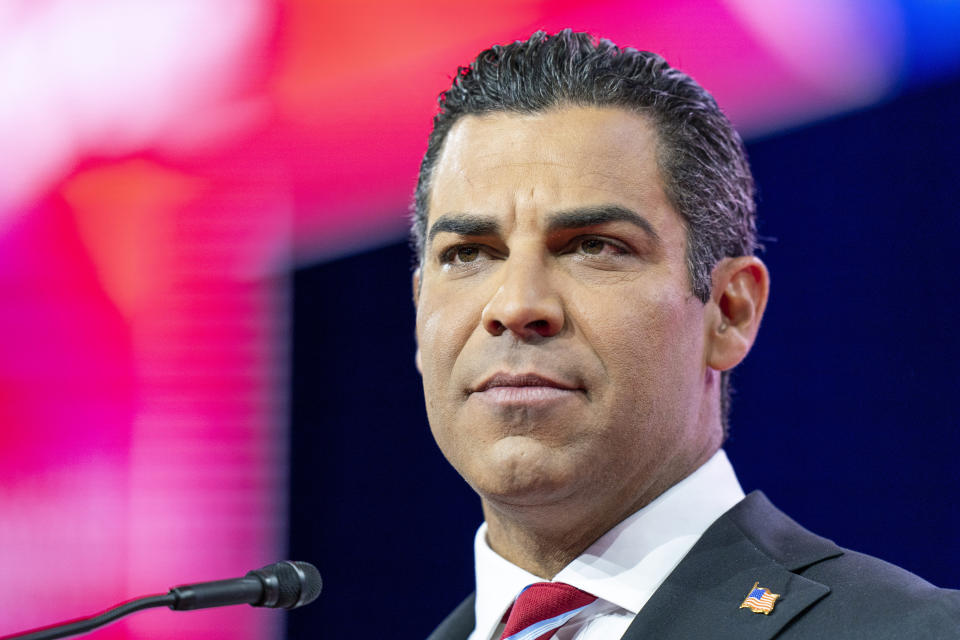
(286, 585)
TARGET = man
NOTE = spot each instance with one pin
(585, 227)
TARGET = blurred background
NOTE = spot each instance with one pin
(206, 328)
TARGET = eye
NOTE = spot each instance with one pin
(461, 254)
(593, 246)
(467, 254)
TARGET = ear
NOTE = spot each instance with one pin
(416, 287)
(416, 302)
(741, 287)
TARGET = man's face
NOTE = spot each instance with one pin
(561, 348)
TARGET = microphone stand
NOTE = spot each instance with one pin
(285, 585)
(83, 625)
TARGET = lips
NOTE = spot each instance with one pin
(521, 380)
(524, 389)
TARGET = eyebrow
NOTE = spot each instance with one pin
(465, 224)
(598, 215)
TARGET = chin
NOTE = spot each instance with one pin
(523, 473)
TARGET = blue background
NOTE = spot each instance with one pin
(845, 412)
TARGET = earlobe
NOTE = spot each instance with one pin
(741, 287)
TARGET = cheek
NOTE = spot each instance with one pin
(441, 336)
(626, 322)
(649, 341)
(441, 333)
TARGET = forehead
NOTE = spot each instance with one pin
(506, 163)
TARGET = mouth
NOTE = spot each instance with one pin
(524, 389)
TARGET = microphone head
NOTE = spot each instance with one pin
(310, 582)
(288, 584)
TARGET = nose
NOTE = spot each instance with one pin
(525, 303)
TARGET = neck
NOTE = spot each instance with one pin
(543, 539)
(536, 546)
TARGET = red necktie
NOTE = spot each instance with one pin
(542, 608)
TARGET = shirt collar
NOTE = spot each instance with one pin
(630, 561)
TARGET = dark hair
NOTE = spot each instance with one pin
(701, 158)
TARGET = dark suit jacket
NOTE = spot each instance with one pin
(825, 592)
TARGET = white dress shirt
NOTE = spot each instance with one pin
(623, 567)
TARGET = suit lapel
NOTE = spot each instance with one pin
(753, 542)
(459, 624)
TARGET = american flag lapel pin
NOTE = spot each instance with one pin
(760, 600)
